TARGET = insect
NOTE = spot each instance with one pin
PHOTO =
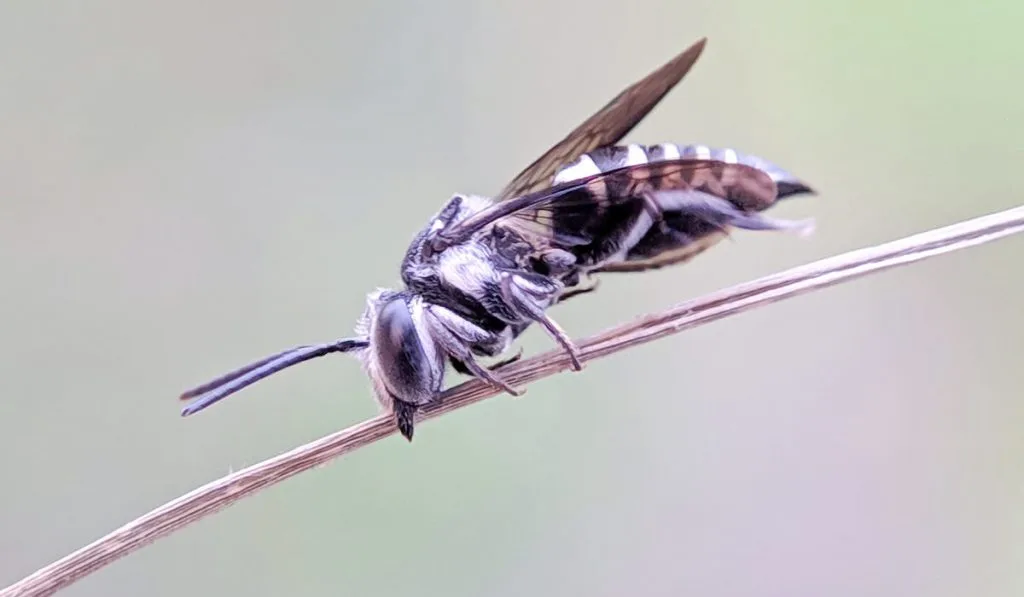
(485, 269)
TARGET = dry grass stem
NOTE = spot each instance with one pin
(229, 489)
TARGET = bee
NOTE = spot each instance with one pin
(483, 270)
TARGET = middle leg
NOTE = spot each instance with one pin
(529, 295)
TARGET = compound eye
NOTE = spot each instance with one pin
(400, 354)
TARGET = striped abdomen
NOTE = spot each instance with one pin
(647, 206)
(614, 157)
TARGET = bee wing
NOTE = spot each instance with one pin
(585, 210)
(607, 126)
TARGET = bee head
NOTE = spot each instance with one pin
(403, 360)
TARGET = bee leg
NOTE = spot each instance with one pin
(455, 335)
(529, 295)
(459, 366)
(650, 204)
(507, 361)
(558, 262)
(724, 213)
(568, 294)
(562, 338)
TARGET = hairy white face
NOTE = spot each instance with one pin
(367, 359)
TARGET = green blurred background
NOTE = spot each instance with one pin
(186, 186)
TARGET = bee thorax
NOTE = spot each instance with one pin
(471, 269)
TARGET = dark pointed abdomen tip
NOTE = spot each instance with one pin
(788, 188)
(405, 415)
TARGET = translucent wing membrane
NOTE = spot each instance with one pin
(608, 125)
(229, 383)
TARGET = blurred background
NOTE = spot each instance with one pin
(187, 186)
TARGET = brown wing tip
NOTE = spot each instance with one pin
(691, 54)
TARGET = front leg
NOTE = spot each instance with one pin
(456, 335)
(529, 295)
(578, 290)
(460, 367)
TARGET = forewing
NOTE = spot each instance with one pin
(607, 126)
